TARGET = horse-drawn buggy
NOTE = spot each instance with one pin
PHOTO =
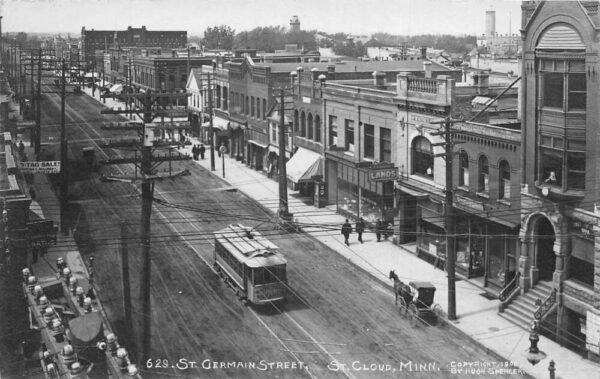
(415, 300)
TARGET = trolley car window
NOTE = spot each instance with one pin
(271, 274)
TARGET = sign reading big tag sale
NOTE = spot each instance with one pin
(45, 167)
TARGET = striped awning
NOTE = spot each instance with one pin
(560, 37)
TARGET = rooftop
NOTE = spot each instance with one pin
(356, 66)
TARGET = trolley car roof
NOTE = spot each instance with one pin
(249, 246)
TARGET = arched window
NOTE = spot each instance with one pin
(484, 175)
(463, 169)
(504, 182)
(317, 128)
(302, 125)
(422, 157)
(310, 126)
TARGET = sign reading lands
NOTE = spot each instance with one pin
(45, 167)
(383, 175)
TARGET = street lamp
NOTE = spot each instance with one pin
(534, 356)
(222, 151)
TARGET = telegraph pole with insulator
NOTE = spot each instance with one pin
(449, 222)
(147, 165)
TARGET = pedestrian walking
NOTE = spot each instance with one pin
(379, 228)
(195, 152)
(202, 149)
(360, 228)
(346, 230)
(21, 148)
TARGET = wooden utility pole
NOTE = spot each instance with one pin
(210, 135)
(125, 276)
(64, 175)
(449, 223)
(38, 107)
(284, 214)
(147, 165)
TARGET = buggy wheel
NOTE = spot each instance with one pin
(413, 315)
(439, 313)
(401, 306)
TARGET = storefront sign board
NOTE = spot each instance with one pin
(383, 175)
(46, 167)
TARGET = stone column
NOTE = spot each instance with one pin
(524, 263)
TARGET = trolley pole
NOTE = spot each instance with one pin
(449, 213)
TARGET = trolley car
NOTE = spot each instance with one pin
(250, 264)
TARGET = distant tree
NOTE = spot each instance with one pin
(349, 48)
(268, 39)
(219, 37)
(21, 37)
(304, 39)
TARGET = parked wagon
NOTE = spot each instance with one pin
(415, 301)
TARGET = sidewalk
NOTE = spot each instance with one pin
(477, 316)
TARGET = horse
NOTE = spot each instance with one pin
(400, 288)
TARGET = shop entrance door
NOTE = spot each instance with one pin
(546, 259)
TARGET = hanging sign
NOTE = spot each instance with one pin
(383, 175)
(45, 167)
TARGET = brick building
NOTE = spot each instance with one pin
(100, 40)
(560, 246)
(380, 163)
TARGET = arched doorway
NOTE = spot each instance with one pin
(546, 259)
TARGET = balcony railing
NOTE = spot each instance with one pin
(422, 85)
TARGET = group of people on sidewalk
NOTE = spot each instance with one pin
(380, 230)
(198, 150)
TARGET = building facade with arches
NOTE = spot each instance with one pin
(560, 208)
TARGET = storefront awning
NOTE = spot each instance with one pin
(303, 165)
(218, 123)
(117, 88)
(275, 149)
(257, 144)
(402, 187)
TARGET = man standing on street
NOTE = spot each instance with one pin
(202, 150)
(346, 230)
(360, 228)
(379, 229)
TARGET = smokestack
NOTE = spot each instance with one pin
(423, 53)
(331, 68)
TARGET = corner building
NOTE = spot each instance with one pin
(560, 209)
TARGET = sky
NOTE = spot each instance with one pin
(359, 17)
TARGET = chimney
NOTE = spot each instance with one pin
(331, 68)
(465, 67)
(174, 54)
(427, 69)
(379, 79)
(423, 53)
(481, 81)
